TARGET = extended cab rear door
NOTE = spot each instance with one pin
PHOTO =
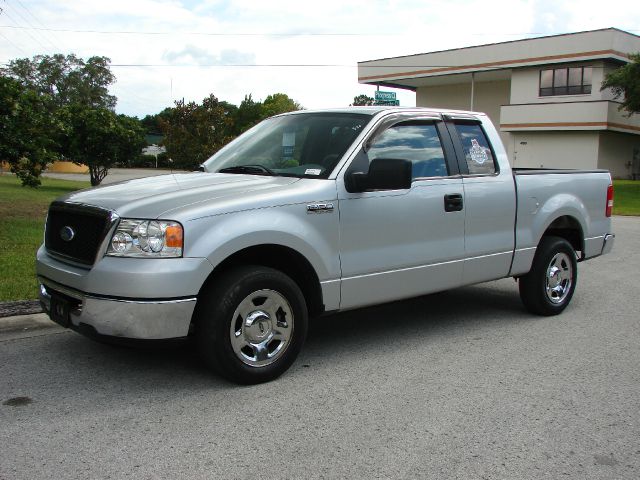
(490, 198)
(402, 243)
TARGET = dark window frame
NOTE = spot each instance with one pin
(557, 90)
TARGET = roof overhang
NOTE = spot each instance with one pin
(413, 71)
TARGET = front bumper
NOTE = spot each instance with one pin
(117, 317)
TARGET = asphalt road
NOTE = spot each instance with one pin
(463, 384)
(114, 175)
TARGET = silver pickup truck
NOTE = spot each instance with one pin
(313, 212)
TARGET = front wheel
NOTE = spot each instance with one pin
(251, 323)
(548, 287)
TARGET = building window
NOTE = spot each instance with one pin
(565, 81)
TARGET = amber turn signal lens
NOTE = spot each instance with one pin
(173, 236)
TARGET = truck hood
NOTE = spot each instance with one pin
(151, 197)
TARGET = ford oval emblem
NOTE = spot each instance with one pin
(67, 233)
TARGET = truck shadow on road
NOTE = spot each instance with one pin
(457, 313)
(449, 313)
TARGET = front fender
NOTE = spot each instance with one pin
(315, 235)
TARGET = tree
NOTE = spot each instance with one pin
(362, 100)
(27, 131)
(67, 79)
(60, 84)
(248, 114)
(625, 82)
(99, 138)
(152, 123)
(278, 103)
(194, 132)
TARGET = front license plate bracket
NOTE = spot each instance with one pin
(60, 311)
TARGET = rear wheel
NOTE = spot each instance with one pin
(251, 324)
(548, 287)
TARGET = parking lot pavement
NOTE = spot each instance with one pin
(114, 175)
(461, 384)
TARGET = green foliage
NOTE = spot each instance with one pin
(247, 115)
(626, 197)
(100, 139)
(142, 161)
(194, 132)
(278, 103)
(39, 98)
(67, 79)
(362, 100)
(27, 131)
(625, 82)
(152, 124)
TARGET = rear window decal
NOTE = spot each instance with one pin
(478, 154)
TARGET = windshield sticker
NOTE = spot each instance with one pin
(288, 145)
(313, 171)
(478, 154)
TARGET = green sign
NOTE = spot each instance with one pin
(388, 102)
(385, 96)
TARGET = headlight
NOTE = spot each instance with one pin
(146, 238)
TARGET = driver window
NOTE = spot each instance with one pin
(417, 142)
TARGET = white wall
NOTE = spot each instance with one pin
(616, 152)
(457, 96)
(559, 149)
(488, 97)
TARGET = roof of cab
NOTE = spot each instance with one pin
(374, 110)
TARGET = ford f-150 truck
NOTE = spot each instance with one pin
(313, 212)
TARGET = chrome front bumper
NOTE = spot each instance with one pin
(136, 319)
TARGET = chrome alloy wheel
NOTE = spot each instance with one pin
(559, 278)
(261, 328)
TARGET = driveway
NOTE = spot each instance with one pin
(115, 174)
(464, 384)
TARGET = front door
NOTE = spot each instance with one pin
(402, 243)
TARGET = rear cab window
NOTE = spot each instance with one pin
(478, 155)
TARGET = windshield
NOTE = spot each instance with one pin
(299, 145)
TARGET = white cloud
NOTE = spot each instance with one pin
(191, 54)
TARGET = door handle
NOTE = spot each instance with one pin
(453, 202)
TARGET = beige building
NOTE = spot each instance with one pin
(542, 93)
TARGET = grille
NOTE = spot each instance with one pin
(89, 226)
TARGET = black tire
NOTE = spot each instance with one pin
(545, 289)
(215, 317)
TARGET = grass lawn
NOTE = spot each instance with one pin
(626, 197)
(22, 214)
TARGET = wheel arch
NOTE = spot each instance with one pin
(569, 228)
(282, 258)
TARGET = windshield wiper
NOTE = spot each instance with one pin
(250, 169)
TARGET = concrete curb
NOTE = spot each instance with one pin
(26, 322)
(19, 307)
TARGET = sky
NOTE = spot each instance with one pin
(164, 50)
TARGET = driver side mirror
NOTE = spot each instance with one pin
(384, 174)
